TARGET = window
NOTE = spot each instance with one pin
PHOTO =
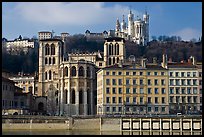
(163, 109)
(189, 99)
(177, 74)
(183, 90)
(114, 90)
(73, 71)
(134, 90)
(88, 72)
(127, 99)
(66, 71)
(45, 60)
(127, 81)
(156, 109)
(141, 109)
(201, 100)
(149, 109)
(114, 109)
(177, 82)
(183, 82)
(127, 73)
(149, 90)
(81, 71)
(155, 73)
(194, 74)
(113, 73)
(50, 75)
(107, 73)
(162, 73)
(141, 91)
(156, 100)
(134, 73)
(107, 99)
(127, 90)
(107, 109)
(119, 73)
(141, 81)
(163, 91)
(183, 99)
(149, 100)
(100, 64)
(188, 74)
(189, 90)
(200, 82)
(194, 82)
(156, 91)
(194, 90)
(53, 60)
(163, 82)
(171, 74)
(45, 75)
(177, 99)
(119, 81)
(148, 73)
(134, 100)
(107, 81)
(188, 82)
(134, 81)
(120, 90)
(141, 100)
(171, 91)
(200, 74)
(113, 99)
(163, 100)
(149, 81)
(155, 82)
(182, 74)
(119, 109)
(171, 82)
(107, 90)
(194, 99)
(119, 99)
(177, 91)
(49, 60)
(171, 99)
(141, 73)
(113, 82)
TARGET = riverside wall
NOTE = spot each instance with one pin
(102, 123)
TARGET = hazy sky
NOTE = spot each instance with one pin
(166, 18)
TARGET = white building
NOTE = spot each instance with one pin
(136, 30)
(44, 35)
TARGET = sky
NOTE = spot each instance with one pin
(166, 18)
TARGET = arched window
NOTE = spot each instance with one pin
(80, 97)
(49, 60)
(117, 48)
(52, 49)
(41, 106)
(50, 75)
(45, 60)
(73, 96)
(53, 60)
(113, 60)
(109, 48)
(45, 75)
(109, 60)
(73, 71)
(117, 59)
(65, 98)
(47, 49)
(88, 73)
(81, 71)
(66, 71)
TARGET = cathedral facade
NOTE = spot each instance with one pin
(136, 30)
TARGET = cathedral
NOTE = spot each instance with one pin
(136, 30)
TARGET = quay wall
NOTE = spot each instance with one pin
(102, 123)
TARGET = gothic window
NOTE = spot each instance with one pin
(81, 71)
(117, 59)
(45, 60)
(52, 49)
(65, 99)
(80, 97)
(109, 48)
(88, 72)
(50, 75)
(47, 49)
(73, 96)
(113, 60)
(73, 71)
(109, 60)
(45, 75)
(53, 60)
(66, 71)
(49, 60)
(117, 47)
(112, 49)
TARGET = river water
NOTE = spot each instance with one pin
(95, 132)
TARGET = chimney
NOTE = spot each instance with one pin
(120, 64)
(164, 61)
(154, 60)
(192, 58)
(170, 60)
(143, 62)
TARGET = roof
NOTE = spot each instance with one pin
(7, 80)
(114, 38)
(51, 40)
(154, 66)
(44, 32)
(181, 65)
